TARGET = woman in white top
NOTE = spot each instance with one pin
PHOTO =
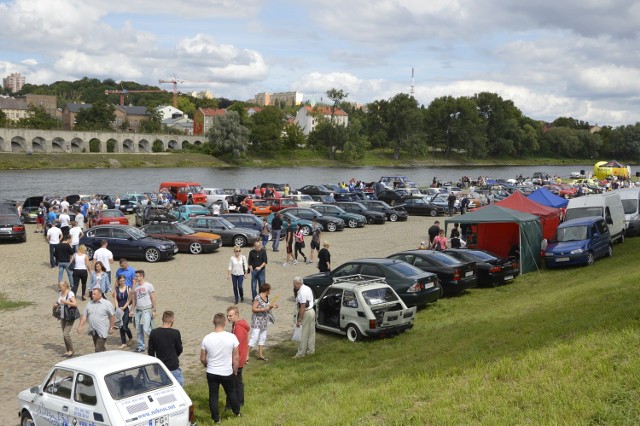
(80, 262)
(236, 272)
(66, 298)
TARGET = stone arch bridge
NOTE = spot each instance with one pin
(27, 140)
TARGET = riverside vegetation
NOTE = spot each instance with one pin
(554, 347)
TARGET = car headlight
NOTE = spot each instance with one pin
(547, 254)
(577, 251)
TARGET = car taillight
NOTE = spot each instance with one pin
(18, 228)
(372, 324)
(457, 274)
(192, 414)
(416, 287)
(192, 215)
(495, 269)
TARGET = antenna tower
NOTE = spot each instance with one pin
(412, 83)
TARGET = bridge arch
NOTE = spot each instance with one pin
(127, 145)
(38, 144)
(58, 144)
(77, 145)
(1, 144)
(173, 144)
(144, 146)
(18, 144)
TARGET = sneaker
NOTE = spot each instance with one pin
(285, 264)
(295, 262)
(140, 350)
(297, 356)
(122, 346)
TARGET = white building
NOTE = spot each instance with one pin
(307, 117)
(13, 82)
(167, 111)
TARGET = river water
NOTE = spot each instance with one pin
(19, 184)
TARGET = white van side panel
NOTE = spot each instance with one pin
(609, 202)
(632, 220)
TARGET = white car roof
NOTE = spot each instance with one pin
(103, 363)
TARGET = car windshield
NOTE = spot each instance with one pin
(417, 201)
(404, 269)
(573, 233)
(630, 206)
(136, 381)
(184, 228)
(111, 213)
(577, 213)
(379, 296)
(482, 255)
(194, 189)
(198, 209)
(136, 232)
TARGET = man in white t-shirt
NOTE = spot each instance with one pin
(306, 318)
(76, 233)
(64, 204)
(143, 306)
(220, 355)
(65, 221)
(104, 255)
(54, 236)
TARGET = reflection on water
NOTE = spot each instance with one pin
(19, 184)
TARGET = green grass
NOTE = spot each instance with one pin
(555, 347)
(10, 304)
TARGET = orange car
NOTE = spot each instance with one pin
(261, 208)
(108, 217)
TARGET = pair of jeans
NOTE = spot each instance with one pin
(265, 240)
(177, 373)
(214, 381)
(275, 239)
(124, 330)
(143, 325)
(64, 266)
(257, 278)
(52, 255)
(237, 281)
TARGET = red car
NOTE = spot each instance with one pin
(278, 204)
(108, 217)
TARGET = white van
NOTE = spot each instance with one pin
(631, 203)
(607, 205)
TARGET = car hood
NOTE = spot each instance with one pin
(564, 247)
(206, 235)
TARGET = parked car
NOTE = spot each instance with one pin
(491, 269)
(415, 287)
(261, 207)
(422, 206)
(11, 226)
(358, 307)
(455, 275)
(579, 242)
(278, 204)
(391, 196)
(187, 239)
(108, 217)
(315, 190)
(442, 201)
(107, 388)
(304, 200)
(244, 220)
(358, 208)
(153, 213)
(214, 195)
(188, 211)
(128, 242)
(129, 202)
(318, 199)
(231, 235)
(329, 223)
(305, 224)
(393, 213)
(30, 209)
(353, 220)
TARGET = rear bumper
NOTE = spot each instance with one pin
(389, 331)
(458, 286)
(423, 298)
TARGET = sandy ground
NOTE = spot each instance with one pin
(193, 286)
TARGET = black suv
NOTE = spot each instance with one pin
(153, 213)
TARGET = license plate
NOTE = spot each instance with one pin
(5, 229)
(114, 222)
(562, 259)
(428, 285)
(161, 421)
(468, 274)
(508, 277)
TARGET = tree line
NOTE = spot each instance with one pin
(480, 126)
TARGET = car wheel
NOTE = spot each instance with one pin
(433, 212)
(590, 258)
(239, 241)
(90, 252)
(353, 333)
(195, 248)
(331, 226)
(152, 254)
(306, 230)
(352, 223)
(26, 420)
(610, 251)
(370, 220)
(393, 217)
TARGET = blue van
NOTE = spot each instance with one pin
(579, 242)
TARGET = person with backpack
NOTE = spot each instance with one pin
(439, 242)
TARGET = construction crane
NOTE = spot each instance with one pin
(175, 83)
(124, 92)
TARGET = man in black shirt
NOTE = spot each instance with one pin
(165, 344)
(63, 253)
(276, 229)
(257, 264)
(433, 231)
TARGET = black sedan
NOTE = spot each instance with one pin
(11, 226)
(455, 275)
(358, 208)
(393, 214)
(491, 268)
(128, 242)
(231, 235)
(391, 196)
(329, 223)
(415, 204)
(315, 190)
(415, 287)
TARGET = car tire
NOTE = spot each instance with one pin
(353, 333)
(352, 223)
(89, 253)
(195, 248)
(306, 230)
(239, 241)
(152, 255)
(590, 258)
(433, 212)
(26, 419)
(369, 220)
(393, 217)
(331, 226)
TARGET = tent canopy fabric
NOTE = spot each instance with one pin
(545, 197)
(499, 230)
(549, 216)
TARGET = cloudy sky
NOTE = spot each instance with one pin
(552, 58)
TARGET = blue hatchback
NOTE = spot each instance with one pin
(579, 242)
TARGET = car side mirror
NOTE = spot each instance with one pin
(34, 390)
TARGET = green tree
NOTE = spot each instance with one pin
(293, 136)
(228, 138)
(503, 132)
(336, 96)
(4, 121)
(266, 129)
(153, 124)
(564, 142)
(38, 118)
(356, 144)
(99, 116)
(571, 123)
(327, 135)
(186, 106)
(402, 121)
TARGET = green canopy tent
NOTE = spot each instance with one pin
(500, 230)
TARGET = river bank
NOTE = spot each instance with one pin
(302, 158)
